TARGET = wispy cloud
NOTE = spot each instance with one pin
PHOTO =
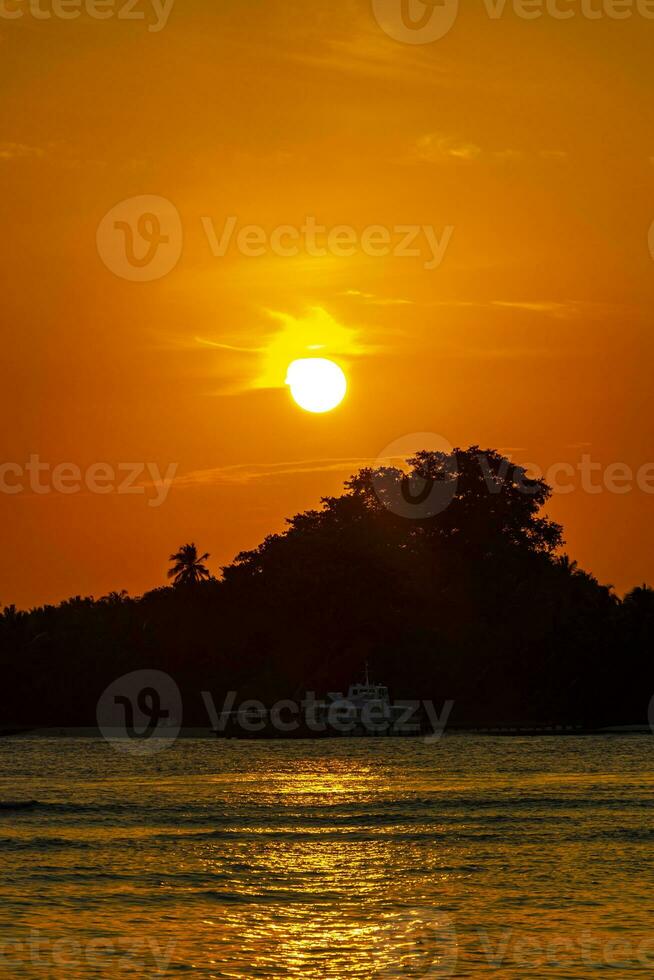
(441, 148)
(19, 151)
(244, 473)
(204, 342)
(372, 300)
(316, 331)
(508, 156)
(369, 53)
(559, 310)
(260, 356)
(437, 148)
(553, 154)
(60, 154)
(567, 310)
(507, 353)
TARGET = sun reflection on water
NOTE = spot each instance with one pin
(312, 860)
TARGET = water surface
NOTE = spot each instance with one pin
(469, 857)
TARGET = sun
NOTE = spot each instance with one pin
(316, 384)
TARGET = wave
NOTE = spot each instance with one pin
(43, 844)
(19, 805)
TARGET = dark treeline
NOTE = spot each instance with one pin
(450, 581)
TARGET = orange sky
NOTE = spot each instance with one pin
(532, 139)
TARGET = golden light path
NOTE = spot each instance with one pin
(317, 384)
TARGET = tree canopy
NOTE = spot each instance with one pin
(448, 577)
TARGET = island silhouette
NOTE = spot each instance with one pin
(448, 578)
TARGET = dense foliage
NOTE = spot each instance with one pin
(450, 581)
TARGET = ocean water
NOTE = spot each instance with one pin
(467, 857)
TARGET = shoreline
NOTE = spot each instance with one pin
(507, 731)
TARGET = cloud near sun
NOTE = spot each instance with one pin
(315, 334)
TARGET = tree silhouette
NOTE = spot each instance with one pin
(449, 577)
(188, 568)
(641, 599)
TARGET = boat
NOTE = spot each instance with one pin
(365, 712)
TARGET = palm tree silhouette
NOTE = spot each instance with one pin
(188, 568)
